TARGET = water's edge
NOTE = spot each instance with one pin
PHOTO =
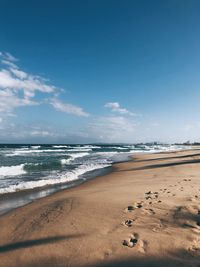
(14, 200)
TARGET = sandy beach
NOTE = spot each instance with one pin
(145, 213)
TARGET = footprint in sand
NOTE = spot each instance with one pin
(150, 211)
(133, 207)
(158, 227)
(128, 223)
(164, 190)
(134, 241)
(186, 180)
(131, 241)
(150, 195)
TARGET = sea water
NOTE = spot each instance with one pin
(49, 168)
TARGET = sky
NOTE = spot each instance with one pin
(85, 71)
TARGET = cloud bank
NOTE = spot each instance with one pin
(112, 128)
(19, 88)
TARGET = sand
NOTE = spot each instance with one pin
(145, 213)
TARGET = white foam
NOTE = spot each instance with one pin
(35, 147)
(63, 178)
(19, 152)
(58, 148)
(80, 149)
(73, 157)
(119, 147)
(12, 170)
(158, 148)
(90, 146)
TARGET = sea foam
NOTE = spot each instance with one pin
(12, 170)
(73, 157)
(51, 180)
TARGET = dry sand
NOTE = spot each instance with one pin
(145, 213)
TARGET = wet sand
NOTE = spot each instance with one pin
(145, 213)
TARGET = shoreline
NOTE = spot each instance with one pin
(24, 197)
(145, 212)
(27, 196)
(20, 198)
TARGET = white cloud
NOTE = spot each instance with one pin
(19, 73)
(8, 63)
(68, 108)
(9, 57)
(19, 88)
(113, 128)
(9, 101)
(17, 132)
(41, 133)
(115, 107)
(12, 79)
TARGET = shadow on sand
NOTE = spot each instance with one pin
(163, 165)
(169, 158)
(35, 242)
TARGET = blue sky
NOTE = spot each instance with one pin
(99, 71)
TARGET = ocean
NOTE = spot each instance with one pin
(49, 168)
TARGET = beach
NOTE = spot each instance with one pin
(146, 212)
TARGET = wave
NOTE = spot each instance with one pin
(32, 151)
(60, 146)
(63, 178)
(120, 148)
(73, 157)
(23, 152)
(79, 149)
(91, 146)
(35, 147)
(12, 170)
(157, 149)
(42, 166)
